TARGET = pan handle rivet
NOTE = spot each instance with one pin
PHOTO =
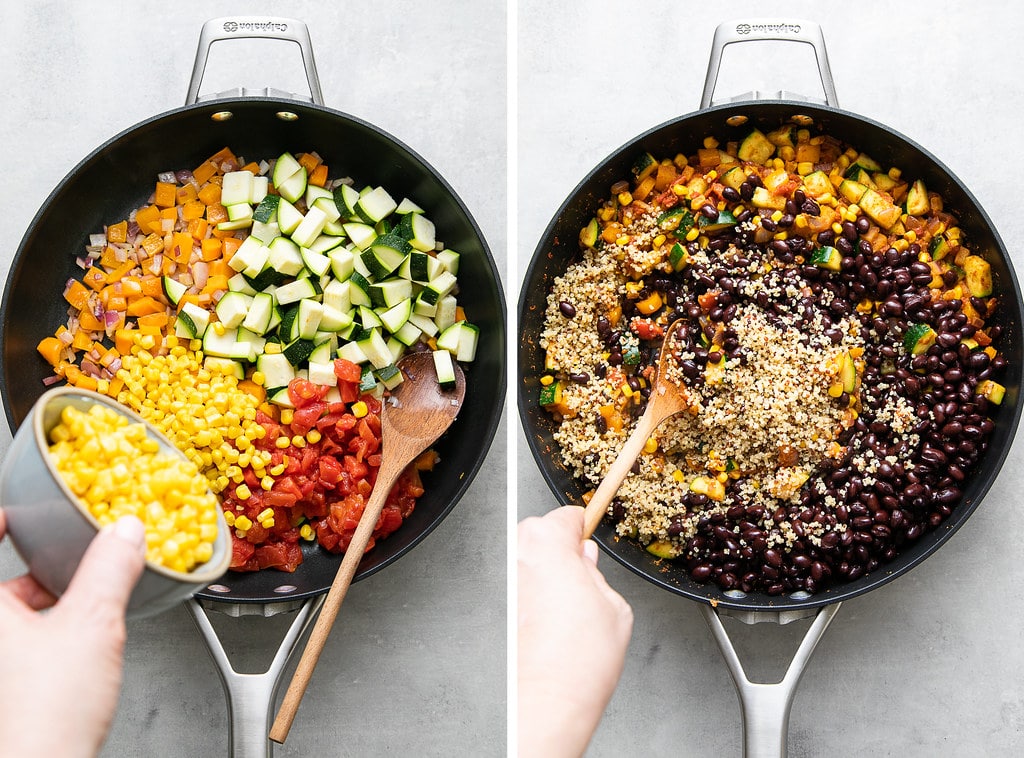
(221, 115)
(287, 116)
(284, 589)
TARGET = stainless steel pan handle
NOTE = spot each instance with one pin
(766, 707)
(251, 696)
(260, 27)
(791, 30)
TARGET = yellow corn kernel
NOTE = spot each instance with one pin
(313, 436)
(282, 442)
(678, 476)
(547, 380)
(298, 441)
(651, 445)
(258, 378)
(659, 240)
(804, 168)
(710, 143)
(267, 483)
(287, 415)
(307, 533)
(624, 198)
(678, 189)
(244, 523)
(242, 492)
(622, 239)
(692, 234)
(229, 517)
(278, 469)
(359, 409)
(265, 514)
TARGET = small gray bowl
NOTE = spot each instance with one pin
(51, 530)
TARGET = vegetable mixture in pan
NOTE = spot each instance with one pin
(837, 345)
(255, 313)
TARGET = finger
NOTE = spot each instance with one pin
(30, 592)
(109, 570)
(3, 524)
(590, 551)
(568, 523)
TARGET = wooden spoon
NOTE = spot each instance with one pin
(412, 418)
(668, 398)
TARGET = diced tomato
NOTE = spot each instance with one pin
(301, 392)
(285, 556)
(330, 471)
(347, 371)
(241, 552)
(305, 418)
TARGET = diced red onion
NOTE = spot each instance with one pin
(115, 366)
(83, 263)
(51, 380)
(97, 240)
(66, 337)
(184, 176)
(111, 318)
(167, 177)
(89, 368)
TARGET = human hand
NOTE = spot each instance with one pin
(573, 631)
(61, 669)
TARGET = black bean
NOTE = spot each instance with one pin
(567, 309)
(731, 195)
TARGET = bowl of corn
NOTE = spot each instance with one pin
(79, 462)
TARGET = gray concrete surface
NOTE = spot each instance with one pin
(416, 663)
(929, 665)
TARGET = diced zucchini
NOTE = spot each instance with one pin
(443, 283)
(867, 163)
(336, 296)
(939, 247)
(817, 184)
(239, 212)
(310, 227)
(678, 257)
(285, 257)
(351, 351)
(325, 243)
(236, 187)
(978, 275)
(409, 333)
(317, 263)
(367, 380)
(308, 318)
(423, 233)
(449, 338)
(734, 177)
(173, 290)
(334, 320)
(382, 258)
(250, 258)
(232, 309)
(848, 372)
(322, 374)
(389, 376)
(359, 289)
(266, 281)
(644, 166)
(266, 211)
(298, 352)
(676, 219)
(238, 283)
(550, 394)
(445, 368)
(192, 321)
(288, 216)
(261, 310)
(224, 345)
(882, 211)
(991, 391)
(590, 233)
(375, 205)
(362, 235)
(390, 292)
(756, 148)
(368, 317)
(917, 199)
(292, 188)
(446, 311)
(852, 191)
(725, 220)
(295, 291)
(664, 549)
(764, 199)
(425, 324)
(918, 338)
(376, 349)
(395, 316)
(282, 398)
(449, 259)
(827, 257)
(265, 233)
(285, 167)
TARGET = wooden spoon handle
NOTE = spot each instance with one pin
(387, 475)
(598, 504)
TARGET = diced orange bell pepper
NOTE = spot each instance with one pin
(120, 272)
(220, 267)
(215, 213)
(148, 219)
(115, 302)
(153, 244)
(131, 287)
(460, 314)
(308, 161)
(252, 166)
(193, 209)
(77, 295)
(318, 176)
(50, 348)
(109, 258)
(204, 171)
(123, 340)
(164, 195)
(152, 286)
(250, 387)
(145, 305)
(230, 247)
(186, 194)
(89, 322)
(95, 278)
(215, 283)
(211, 248)
(210, 194)
(198, 227)
(86, 382)
(118, 232)
(83, 342)
(181, 247)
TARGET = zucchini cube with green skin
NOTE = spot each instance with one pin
(827, 257)
(725, 220)
(266, 211)
(232, 309)
(917, 199)
(362, 235)
(310, 227)
(664, 549)
(550, 394)
(288, 216)
(192, 321)
(444, 366)
(678, 257)
(285, 256)
(978, 276)
(375, 205)
(918, 338)
(756, 148)
(292, 188)
(236, 187)
(250, 258)
(590, 233)
(991, 391)
(644, 166)
(879, 209)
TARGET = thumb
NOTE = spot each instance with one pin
(109, 569)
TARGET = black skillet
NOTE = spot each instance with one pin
(558, 247)
(118, 176)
